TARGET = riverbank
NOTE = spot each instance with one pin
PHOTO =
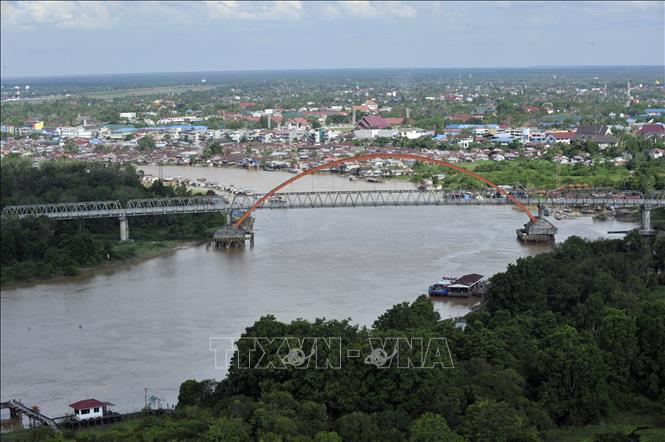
(36, 248)
(132, 252)
(261, 181)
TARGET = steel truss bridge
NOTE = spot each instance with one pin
(330, 199)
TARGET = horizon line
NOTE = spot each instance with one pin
(258, 70)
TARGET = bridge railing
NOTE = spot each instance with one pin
(365, 198)
(344, 198)
(176, 205)
(88, 209)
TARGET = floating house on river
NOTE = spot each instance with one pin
(468, 285)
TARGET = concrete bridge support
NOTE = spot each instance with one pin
(124, 228)
(645, 226)
(539, 230)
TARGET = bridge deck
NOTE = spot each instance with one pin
(300, 200)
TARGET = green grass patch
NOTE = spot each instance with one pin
(528, 173)
(622, 423)
(142, 249)
(659, 294)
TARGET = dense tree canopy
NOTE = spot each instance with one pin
(39, 248)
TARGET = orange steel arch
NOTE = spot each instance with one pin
(371, 156)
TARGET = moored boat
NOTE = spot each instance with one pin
(440, 288)
(472, 284)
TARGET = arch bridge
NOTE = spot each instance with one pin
(274, 199)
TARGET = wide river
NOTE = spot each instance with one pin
(113, 333)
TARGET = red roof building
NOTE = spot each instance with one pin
(394, 121)
(461, 117)
(652, 130)
(299, 121)
(90, 409)
(377, 122)
(87, 403)
(563, 135)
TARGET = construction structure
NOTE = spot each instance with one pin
(233, 235)
(230, 236)
(538, 229)
(16, 412)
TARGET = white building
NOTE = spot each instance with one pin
(413, 134)
(131, 116)
(464, 143)
(90, 409)
(654, 154)
(369, 134)
(371, 105)
(73, 132)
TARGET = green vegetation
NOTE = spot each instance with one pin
(146, 143)
(620, 425)
(36, 248)
(567, 347)
(543, 174)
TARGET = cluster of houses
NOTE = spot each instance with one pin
(503, 135)
(297, 139)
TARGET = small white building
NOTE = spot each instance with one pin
(90, 409)
(654, 154)
(131, 116)
(370, 134)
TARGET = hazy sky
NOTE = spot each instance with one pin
(44, 38)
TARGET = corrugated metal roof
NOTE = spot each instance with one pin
(468, 280)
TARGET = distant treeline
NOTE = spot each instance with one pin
(38, 248)
(566, 339)
(645, 176)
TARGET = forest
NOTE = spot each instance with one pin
(36, 248)
(568, 346)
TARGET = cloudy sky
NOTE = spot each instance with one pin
(49, 38)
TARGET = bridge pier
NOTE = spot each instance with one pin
(229, 236)
(539, 230)
(124, 228)
(645, 226)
